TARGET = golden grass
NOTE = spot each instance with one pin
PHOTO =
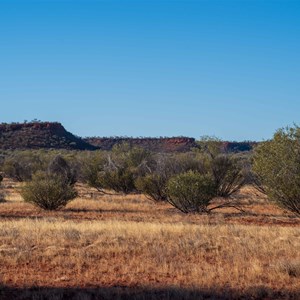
(116, 253)
(128, 242)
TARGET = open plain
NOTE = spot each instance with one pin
(128, 247)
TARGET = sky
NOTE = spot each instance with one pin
(229, 69)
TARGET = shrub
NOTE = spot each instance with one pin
(21, 165)
(116, 170)
(91, 166)
(153, 185)
(191, 191)
(120, 180)
(59, 167)
(48, 191)
(276, 164)
(119, 169)
(227, 170)
(161, 168)
(228, 174)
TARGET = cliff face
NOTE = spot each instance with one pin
(37, 135)
(175, 144)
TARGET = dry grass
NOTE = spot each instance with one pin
(127, 247)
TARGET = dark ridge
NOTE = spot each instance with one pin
(235, 147)
(39, 135)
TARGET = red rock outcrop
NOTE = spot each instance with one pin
(39, 135)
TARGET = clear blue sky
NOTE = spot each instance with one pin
(152, 68)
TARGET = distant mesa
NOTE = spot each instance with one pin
(39, 135)
(52, 135)
(173, 144)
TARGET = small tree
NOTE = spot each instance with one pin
(276, 164)
(191, 192)
(48, 191)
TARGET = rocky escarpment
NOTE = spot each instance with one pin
(173, 144)
(52, 135)
(39, 135)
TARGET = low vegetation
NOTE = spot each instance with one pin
(53, 189)
(149, 260)
(114, 243)
(277, 167)
(48, 191)
(191, 191)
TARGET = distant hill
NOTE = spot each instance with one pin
(52, 135)
(39, 135)
(173, 144)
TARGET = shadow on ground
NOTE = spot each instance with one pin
(141, 293)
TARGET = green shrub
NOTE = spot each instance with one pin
(120, 180)
(276, 164)
(161, 168)
(21, 165)
(91, 166)
(59, 167)
(191, 191)
(48, 191)
(228, 171)
(228, 174)
(152, 185)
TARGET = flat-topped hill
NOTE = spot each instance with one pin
(164, 144)
(53, 135)
(39, 135)
(173, 144)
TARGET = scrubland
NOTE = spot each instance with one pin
(127, 247)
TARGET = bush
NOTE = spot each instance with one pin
(91, 166)
(21, 165)
(161, 168)
(228, 174)
(191, 191)
(48, 191)
(227, 170)
(153, 185)
(276, 164)
(120, 180)
(118, 170)
(59, 167)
